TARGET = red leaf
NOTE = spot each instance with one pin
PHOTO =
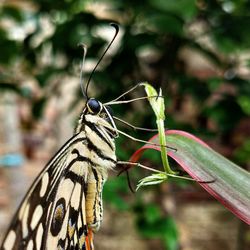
(231, 183)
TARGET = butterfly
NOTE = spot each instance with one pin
(63, 207)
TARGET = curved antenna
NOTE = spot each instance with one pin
(84, 47)
(93, 71)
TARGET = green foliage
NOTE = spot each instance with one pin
(114, 190)
(244, 103)
(10, 48)
(153, 224)
(242, 154)
(182, 9)
(161, 29)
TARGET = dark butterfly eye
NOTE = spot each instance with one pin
(94, 106)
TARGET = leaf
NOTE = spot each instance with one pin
(10, 87)
(166, 23)
(152, 180)
(12, 12)
(186, 9)
(226, 181)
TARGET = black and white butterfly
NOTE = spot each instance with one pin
(63, 207)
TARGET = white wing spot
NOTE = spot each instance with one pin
(39, 236)
(75, 199)
(44, 185)
(21, 211)
(37, 214)
(30, 245)
(10, 240)
(25, 220)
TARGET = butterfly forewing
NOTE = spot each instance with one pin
(64, 204)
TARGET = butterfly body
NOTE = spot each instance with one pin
(64, 205)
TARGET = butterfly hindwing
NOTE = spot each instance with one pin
(67, 225)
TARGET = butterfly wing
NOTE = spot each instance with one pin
(52, 214)
(67, 224)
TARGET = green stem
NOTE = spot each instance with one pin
(163, 143)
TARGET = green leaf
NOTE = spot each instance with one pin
(244, 102)
(152, 180)
(157, 102)
(166, 23)
(152, 213)
(171, 234)
(227, 182)
(114, 190)
(12, 13)
(187, 9)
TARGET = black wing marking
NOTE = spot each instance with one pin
(28, 229)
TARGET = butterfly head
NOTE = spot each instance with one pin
(97, 109)
(94, 107)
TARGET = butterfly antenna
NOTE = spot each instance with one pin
(84, 47)
(93, 71)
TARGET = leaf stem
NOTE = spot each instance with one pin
(162, 137)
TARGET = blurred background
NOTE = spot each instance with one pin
(196, 51)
